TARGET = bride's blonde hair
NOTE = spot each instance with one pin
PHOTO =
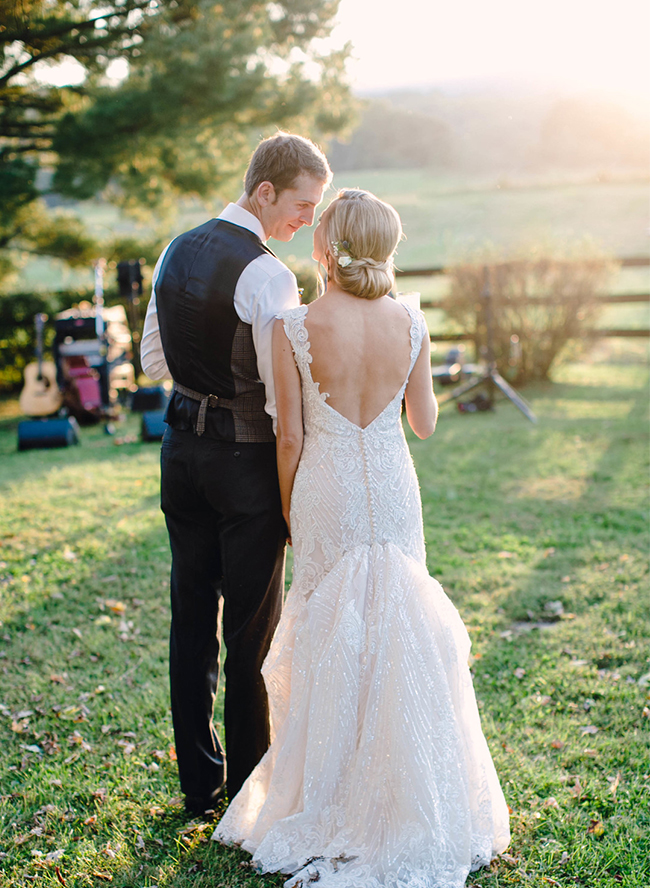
(361, 232)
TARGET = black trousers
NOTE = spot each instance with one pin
(222, 507)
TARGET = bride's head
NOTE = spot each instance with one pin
(356, 239)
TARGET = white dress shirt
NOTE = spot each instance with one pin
(265, 288)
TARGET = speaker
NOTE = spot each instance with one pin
(153, 425)
(153, 397)
(43, 433)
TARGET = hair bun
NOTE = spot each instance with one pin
(362, 232)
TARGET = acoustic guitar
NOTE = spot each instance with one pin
(40, 395)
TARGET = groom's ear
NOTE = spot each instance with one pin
(265, 194)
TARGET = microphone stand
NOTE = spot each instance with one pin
(490, 377)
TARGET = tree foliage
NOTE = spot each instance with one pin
(163, 98)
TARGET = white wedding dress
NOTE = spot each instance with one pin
(378, 775)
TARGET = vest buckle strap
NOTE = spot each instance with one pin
(205, 401)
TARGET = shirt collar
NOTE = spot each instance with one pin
(239, 216)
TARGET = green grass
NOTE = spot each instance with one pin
(517, 518)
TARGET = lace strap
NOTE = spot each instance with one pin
(294, 327)
(418, 330)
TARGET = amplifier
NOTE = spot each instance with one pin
(153, 425)
(153, 397)
(43, 433)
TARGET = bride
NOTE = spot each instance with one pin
(378, 775)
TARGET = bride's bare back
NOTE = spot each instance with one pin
(360, 351)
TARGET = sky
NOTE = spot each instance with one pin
(577, 44)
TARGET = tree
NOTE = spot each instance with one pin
(198, 82)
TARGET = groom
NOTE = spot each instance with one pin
(216, 292)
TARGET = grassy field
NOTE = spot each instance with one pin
(445, 218)
(539, 535)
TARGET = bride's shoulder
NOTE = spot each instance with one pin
(292, 314)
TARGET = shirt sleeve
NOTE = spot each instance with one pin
(152, 356)
(279, 294)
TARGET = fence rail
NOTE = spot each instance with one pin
(613, 299)
(624, 262)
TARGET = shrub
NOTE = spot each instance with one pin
(538, 303)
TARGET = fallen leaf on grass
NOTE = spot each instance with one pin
(19, 727)
(505, 554)
(75, 739)
(596, 828)
(565, 858)
(171, 752)
(589, 729)
(117, 607)
(59, 876)
(577, 790)
(614, 784)
(551, 802)
(519, 672)
(192, 828)
(508, 859)
(107, 877)
(59, 679)
(104, 620)
(156, 810)
(71, 713)
(68, 554)
(557, 744)
(90, 821)
(54, 856)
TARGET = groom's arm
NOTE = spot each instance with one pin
(265, 289)
(152, 356)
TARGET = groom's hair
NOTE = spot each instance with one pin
(281, 159)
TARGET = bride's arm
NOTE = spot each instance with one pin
(421, 404)
(288, 396)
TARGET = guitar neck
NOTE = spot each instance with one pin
(39, 320)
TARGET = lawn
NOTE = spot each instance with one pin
(539, 534)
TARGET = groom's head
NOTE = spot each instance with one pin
(284, 183)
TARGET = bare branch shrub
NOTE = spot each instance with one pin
(539, 303)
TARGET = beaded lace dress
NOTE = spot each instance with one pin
(378, 775)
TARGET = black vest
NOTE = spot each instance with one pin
(207, 347)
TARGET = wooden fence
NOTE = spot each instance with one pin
(627, 262)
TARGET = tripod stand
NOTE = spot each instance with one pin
(490, 377)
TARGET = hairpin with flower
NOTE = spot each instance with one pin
(343, 252)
